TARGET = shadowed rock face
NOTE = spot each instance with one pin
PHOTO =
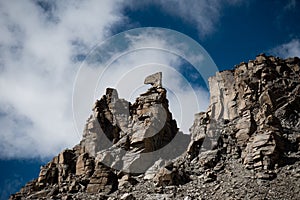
(245, 117)
(131, 137)
(245, 146)
(154, 79)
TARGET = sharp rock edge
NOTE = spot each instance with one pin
(246, 146)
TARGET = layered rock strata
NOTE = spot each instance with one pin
(253, 114)
(245, 146)
(119, 138)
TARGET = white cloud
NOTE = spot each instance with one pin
(130, 71)
(291, 4)
(147, 52)
(38, 43)
(290, 49)
(203, 14)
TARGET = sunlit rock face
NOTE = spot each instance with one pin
(245, 146)
(124, 135)
(246, 110)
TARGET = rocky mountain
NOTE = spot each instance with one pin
(246, 146)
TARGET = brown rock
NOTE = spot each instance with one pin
(170, 175)
(154, 79)
(103, 180)
(84, 165)
(247, 141)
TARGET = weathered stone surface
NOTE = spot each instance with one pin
(209, 159)
(222, 100)
(127, 180)
(103, 180)
(246, 114)
(84, 165)
(246, 146)
(127, 131)
(150, 173)
(102, 130)
(127, 196)
(170, 175)
(154, 79)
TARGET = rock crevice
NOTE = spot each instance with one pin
(245, 146)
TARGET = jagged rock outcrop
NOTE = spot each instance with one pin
(118, 137)
(129, 137)
(154, 79)
(243, 119)
(170, 175)
(245, 146)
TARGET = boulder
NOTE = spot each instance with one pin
(103, 180)
(154, 79)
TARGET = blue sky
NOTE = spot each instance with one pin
(43, 43)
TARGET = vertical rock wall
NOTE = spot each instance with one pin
(253, 113)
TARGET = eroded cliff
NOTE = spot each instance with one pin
(246, 146)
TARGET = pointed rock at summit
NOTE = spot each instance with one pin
(129, 137)
(154, 79)
(245, 146)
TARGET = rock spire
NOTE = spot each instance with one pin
(245, 146)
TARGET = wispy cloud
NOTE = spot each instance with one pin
(147, 52)
(291, 4)
(10, 185)
(290, 49)
(203, 14)
(39, 44)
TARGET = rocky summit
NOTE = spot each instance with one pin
(245, 146)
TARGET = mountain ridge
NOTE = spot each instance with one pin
(245, 146)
